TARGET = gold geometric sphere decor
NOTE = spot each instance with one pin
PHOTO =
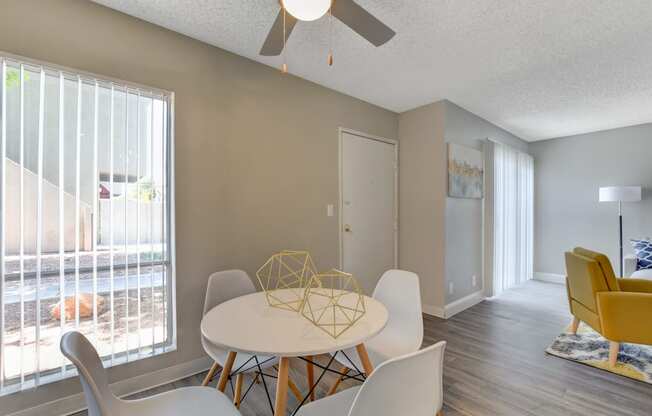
(334, 302)
(284, 278)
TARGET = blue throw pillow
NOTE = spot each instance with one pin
(643, 249)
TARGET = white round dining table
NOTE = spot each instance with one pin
(248, 324)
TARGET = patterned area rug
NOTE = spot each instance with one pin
(588, 347)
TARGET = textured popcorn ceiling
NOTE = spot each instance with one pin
(538, 68)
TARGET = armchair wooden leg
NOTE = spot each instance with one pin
(211, 374)
(614, 348)
(574, 325)
(344, 371)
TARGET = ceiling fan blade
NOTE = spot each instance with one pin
(362, 22)
(273, 45)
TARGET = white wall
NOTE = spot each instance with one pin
(50, 212)
(151, 216)
(567, 174)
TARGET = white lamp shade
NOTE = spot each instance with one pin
(307, 10)
(620, 193)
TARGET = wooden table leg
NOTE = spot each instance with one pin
(226, 371)
(310, 370)
(280, 405)
(364, 358)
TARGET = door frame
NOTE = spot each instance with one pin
(340, 207)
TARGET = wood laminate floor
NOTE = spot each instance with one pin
(495, 364)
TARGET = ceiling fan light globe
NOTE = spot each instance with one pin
(306, 10)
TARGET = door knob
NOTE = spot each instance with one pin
(347, 228)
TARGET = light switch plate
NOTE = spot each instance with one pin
(330, 210)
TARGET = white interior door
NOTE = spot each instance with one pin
(368, 207)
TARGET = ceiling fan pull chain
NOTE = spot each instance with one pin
(330, 35)
(284, 68)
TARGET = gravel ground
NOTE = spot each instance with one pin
(50, 262)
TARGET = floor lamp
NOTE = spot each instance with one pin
(620, 194)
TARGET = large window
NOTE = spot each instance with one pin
(86, 229)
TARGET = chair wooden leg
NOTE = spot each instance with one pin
(343, 371)
(440, 413)
(237, 394)
(295, 390)
(310, 371)
(292, 385)
(574, 325)
(614, 348)
(211, 374)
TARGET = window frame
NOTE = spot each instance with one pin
(42, 377)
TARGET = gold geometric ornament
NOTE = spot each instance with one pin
(334, 302)
(284, 278)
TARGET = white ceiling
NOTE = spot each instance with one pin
(537, 68)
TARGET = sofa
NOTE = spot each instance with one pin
(630, 269)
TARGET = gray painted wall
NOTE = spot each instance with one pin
(464, 217)
(441, 238)
(422, 199)
(241, 127)
(568, 173)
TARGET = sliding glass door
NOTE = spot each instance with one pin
(513, 217)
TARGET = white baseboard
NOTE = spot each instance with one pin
(464, 303)
(433, 310)
(76, 402)
(559, 279)
(454, 308)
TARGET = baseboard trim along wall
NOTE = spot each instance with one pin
(559, 279)
(464, 303)
(77, 403)
(456, 307)
(433, 310)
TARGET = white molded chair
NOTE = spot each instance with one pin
(224, 286)
(399, 291)
(407, 385)
(187, 401)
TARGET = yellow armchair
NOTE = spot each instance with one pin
(619, 309)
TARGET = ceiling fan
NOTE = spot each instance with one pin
(347, 11)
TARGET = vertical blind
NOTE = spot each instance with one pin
(85, 226)
(513, 217)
